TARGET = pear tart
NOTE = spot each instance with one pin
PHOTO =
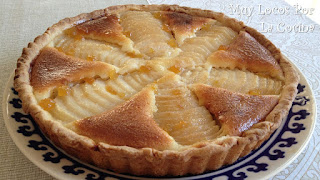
(155, 90)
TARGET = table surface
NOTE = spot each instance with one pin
(22, 20)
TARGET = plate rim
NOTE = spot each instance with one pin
(22, 149)
(313, 122)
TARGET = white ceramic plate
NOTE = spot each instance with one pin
(273, 156)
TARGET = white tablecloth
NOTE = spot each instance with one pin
(22, 20)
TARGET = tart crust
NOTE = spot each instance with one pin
(232, 109)
(71, 69)
(135, 114)
(204, 156)
(246, 53)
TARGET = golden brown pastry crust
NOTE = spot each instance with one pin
(106, 29)
(66, 69)
(147, 161)
(130, 124)
(246, 53)
(182, 25)
(235, 112)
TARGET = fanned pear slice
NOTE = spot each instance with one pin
(129, 124)
(182, 25)
(53, 68)
(95, 96)
(246, 53)
(147, 34)
(180, 114)
(233, 80)
(234, 111)
(106, 29)
(92, 50)
(196, 50)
